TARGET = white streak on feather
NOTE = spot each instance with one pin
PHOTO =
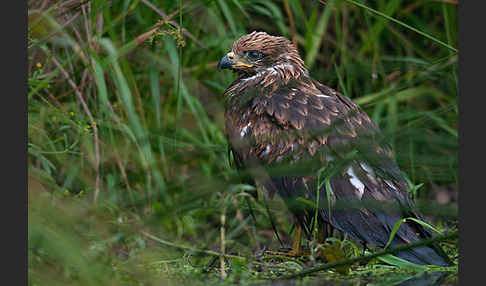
(389, 183)
(245, 129)
(267, 150)
(369, 171)
(356, 182)
(322, 95)
(367, 168)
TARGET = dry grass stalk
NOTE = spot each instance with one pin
(92, 121)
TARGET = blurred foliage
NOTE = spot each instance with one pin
(125, 120)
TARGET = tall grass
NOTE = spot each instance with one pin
(125, 120)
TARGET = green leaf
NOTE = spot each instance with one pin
(424, 224)
(394, 230)
(397, 226)
(402, 263)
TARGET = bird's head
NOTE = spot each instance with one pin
(259, 52)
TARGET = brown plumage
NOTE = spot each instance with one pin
(278, 118)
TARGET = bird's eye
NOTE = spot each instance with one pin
(255, 55)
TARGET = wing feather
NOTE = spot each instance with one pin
(293, 123)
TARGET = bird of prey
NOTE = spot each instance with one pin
(317, 149)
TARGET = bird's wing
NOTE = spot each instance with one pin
(309, 125)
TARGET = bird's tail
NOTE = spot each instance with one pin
(373, 232)
(425, 255)
(431, 254)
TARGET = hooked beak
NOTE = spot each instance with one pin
(231, 61)
(225, 63)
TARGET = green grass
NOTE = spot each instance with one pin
(137, 147)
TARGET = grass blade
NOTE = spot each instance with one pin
(402, 24)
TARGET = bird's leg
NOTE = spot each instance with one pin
(296, 244)
(322, 233)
